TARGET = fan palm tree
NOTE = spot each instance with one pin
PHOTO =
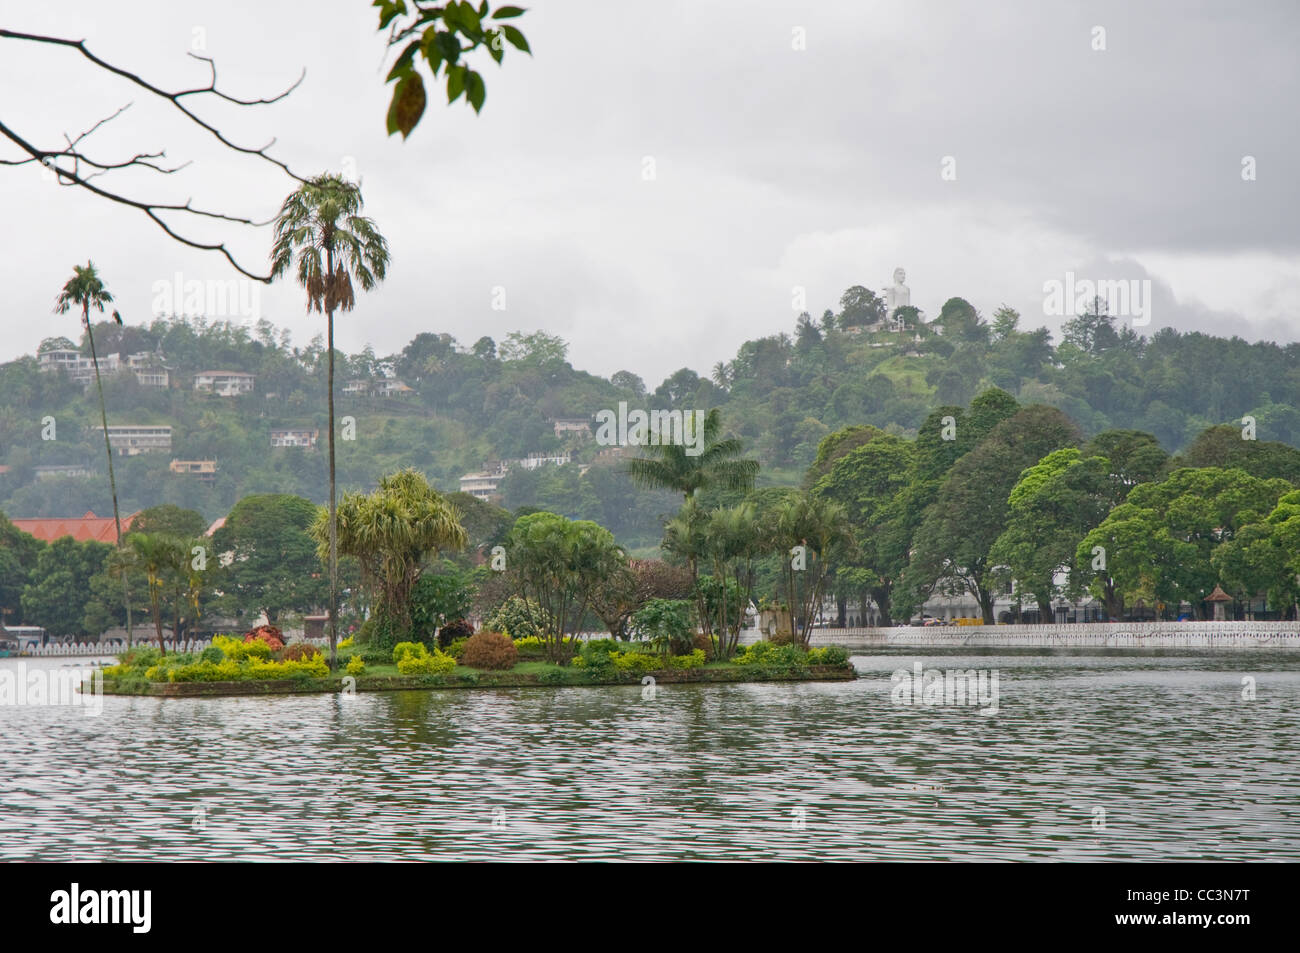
(720, 464)
(320, 225)
(84, 290)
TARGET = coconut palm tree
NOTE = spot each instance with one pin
(719, 463)
(85, 290)
(320, 225)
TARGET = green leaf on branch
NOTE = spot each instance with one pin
(455, 82)
(517, 39)
(403, 64)
(475, 91)
(505, 13)
(407, 106)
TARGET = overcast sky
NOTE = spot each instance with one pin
(774, 167)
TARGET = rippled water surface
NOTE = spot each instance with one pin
(1090, 757)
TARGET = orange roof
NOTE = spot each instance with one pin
(99, 528)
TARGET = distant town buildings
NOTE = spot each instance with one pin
(484, 483)
(147, 367)
(129, 440)
(384, 387)
(224, 383)
(580, 426)
(50, 471)
(294, 437)
(205, 471)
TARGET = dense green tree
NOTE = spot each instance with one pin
(558, 563)
(58, 589)
(265, 557)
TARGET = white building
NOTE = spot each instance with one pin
(129, 440)
(224, 383)
(144, 365)
(50, 471)
(483, 484)
(535, 460)
(294, 437)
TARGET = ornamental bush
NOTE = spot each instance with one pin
(768, 654)
(140, 656)
(300, 650)
(519, 617)
(404, 650)
(426, 664)
(212, 654)
(828, 655)
(269, 634)
(694, 659)
(454, 632)
(356, 666)
(489, 650)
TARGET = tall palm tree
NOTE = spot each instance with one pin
(85, 290)
(670, 467)
(321, 226)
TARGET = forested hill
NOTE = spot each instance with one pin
(486, 401)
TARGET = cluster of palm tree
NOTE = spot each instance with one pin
(804, 531)
(172, 568)
(320, 227)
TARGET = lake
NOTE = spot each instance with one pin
(1121, 755)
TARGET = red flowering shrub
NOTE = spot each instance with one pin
(269, 634)
(489, 650)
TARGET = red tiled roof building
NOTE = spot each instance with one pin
(101, 529)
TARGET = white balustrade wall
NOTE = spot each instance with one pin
(1150, 635)
(115, 649)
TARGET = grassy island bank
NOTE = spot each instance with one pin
(234, 668)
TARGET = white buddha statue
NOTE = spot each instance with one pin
(898, 295)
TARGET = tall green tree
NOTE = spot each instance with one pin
(269, 555)
(321, 227)
(558, 563)
(954, 542)
(868, 481)
(85, 290)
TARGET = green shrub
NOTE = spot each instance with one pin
(140, 656)
(405, 650)
(828, 655)
(517, 617)
(693, 659)
(597, 653)
(770, 655)
(212, 654)
(356, 666)
(637, 662)
(426, 664)
(456, 648)
(552, 676)
(490, 650)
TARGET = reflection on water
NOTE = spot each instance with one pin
(1091, 757)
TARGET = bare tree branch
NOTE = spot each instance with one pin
(75, 176)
